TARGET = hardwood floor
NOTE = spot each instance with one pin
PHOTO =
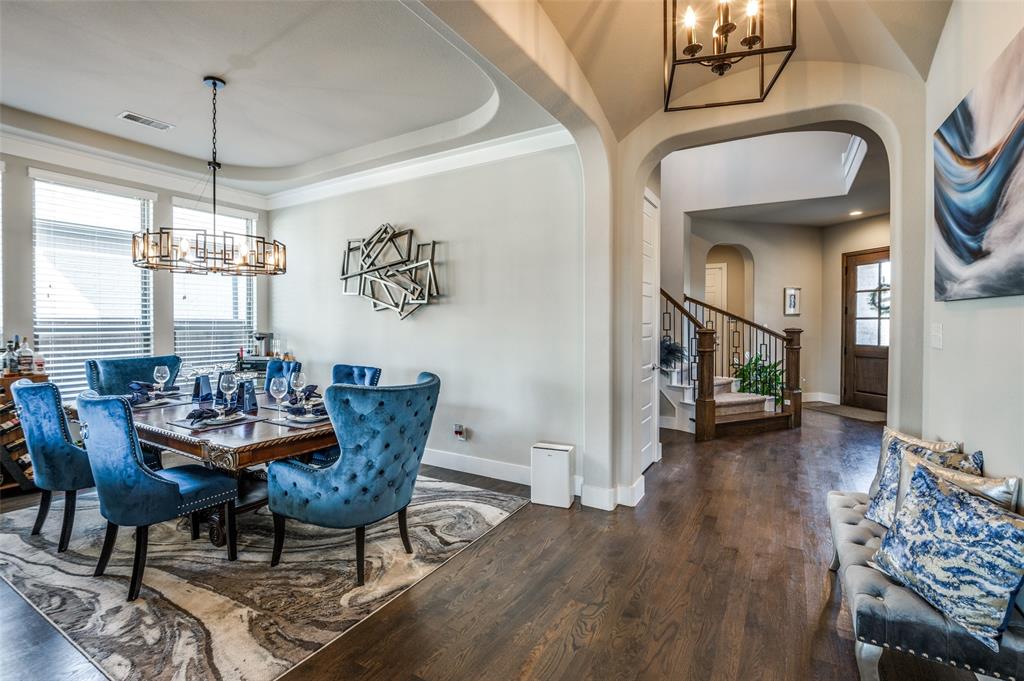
(720, 574)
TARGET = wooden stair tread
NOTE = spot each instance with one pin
(738, 398)
(751, 416)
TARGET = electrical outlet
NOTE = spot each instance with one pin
(460, 432)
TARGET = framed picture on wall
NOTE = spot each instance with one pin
(791, 301)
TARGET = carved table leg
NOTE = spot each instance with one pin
(218, 534)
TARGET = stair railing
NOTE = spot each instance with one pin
(683, 329)
(737, 340)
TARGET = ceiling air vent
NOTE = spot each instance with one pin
(144, 120)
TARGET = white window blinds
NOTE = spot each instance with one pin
(214, 315)
(90, 301)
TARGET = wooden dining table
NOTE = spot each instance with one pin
(237, 449)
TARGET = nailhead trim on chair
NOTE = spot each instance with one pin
(208, 501)
(952, 663)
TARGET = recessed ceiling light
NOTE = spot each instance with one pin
(855, 213)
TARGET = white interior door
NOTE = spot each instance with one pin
(716, 280)
(649, 346)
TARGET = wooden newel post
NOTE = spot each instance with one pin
(705, 395)
(792, 392)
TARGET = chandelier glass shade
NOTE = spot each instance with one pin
(198, 251)
(706, 40)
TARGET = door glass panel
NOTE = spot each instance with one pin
(867, 276)
(884, 301)
(867, 332)
(886, 273)
(867, 304)
(883, 335)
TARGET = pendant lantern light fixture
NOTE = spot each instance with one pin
(198, 251)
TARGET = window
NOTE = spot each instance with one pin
(89, 300)
(214, 315)
(874, 295)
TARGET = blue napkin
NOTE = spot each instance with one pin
(202, 414)
(308, 393)
(318, 410)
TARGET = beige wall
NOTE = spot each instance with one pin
(736, 272)
(783, 255)
(836, 240)
(786, 255)
(505, 336)
(974, 383)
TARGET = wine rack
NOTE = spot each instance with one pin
(15, 467)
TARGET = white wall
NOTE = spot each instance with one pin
(836, 240)
(505, 338)
(974, 384)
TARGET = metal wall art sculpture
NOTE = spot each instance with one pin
(390, 270)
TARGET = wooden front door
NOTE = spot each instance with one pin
(867, 289)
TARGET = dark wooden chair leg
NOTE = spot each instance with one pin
(275, 557)
(229, 512)
(139, 566)
(403, 529)
(70, 497)
(360, 553)
(108, 547)
(44, 508)
(193, 521)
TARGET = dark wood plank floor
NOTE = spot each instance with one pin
(719, 574)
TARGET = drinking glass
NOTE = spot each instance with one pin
(278, 389)
(160, 375)
(298, 383)
(228, 385)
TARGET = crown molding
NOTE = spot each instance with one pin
(132, 171)
(112, 166)
(510, 146)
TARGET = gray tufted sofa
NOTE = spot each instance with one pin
(887, 615)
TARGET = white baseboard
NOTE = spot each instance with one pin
(604, 498)
(821, 397)
(630, 495)
(489, 468)
(598, 497)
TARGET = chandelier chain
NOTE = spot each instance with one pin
(214, 123)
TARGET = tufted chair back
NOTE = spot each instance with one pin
(112, 376)
(349, 374)
(279, 367)
(57, 463)
(130, 493)
(382, 433)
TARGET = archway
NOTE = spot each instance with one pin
(734, 263)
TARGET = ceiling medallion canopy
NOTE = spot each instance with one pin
(691, 71)
(198, 251)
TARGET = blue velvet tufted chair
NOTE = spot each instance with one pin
(355, 375)
(280, 367)
(133, 495)
(345, 374)
(382, 433)
(112, 376)
(58, 465)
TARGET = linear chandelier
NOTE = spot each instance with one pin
(684, 52)
(198, 251)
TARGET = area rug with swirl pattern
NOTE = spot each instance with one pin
(201, 617)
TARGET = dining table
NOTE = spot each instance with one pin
(241, 449)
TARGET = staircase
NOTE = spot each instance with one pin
(701, 381)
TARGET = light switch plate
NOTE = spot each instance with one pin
(937, 336)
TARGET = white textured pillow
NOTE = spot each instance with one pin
(890, 434)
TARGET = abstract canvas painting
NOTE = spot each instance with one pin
(979, 187)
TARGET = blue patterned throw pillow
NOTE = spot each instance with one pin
(883, 506)
(961, 553)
